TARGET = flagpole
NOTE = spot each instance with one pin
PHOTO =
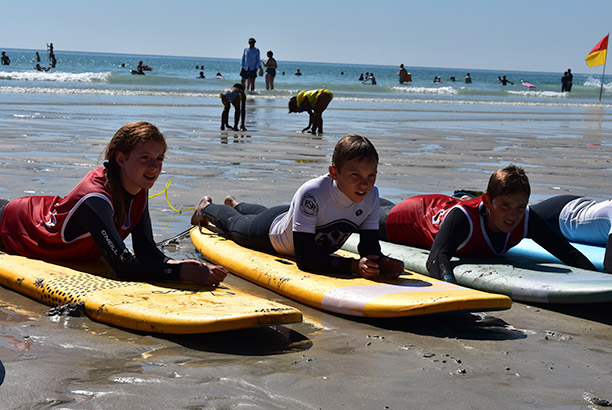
(603, 75)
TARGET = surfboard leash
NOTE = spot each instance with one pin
(165, 192)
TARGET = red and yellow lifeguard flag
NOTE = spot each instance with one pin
(597, 56)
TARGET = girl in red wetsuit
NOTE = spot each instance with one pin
(484, 226)
(110, 203)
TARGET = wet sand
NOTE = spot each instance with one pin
(531, 356)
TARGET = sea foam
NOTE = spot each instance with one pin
(58, 76)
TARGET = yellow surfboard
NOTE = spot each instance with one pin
(412, 294)
(172, 308)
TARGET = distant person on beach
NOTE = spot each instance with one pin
(487, 225)
(371, 79)
(402, 74)
(452, 78)
(37, 57)
(361, 77)
(250, 63)
(39, 68)
(5, 60)
(235, 96)
(271, 67)
(437, 79)
(504, 81)
(314, 102)
(298, 72)
(564, 82)
(323, 213)
(93, 220)
(201, 75)
(219, 76)
(570, 82)
(468, 79)
(580, 219)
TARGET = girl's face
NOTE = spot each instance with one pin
(505, 212)
(141, 167)
(356, 178)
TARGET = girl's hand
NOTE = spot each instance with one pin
(201, 273)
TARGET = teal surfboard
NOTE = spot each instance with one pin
(523, 278)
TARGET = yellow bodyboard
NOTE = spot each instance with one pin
(411, 294)
(172, 308)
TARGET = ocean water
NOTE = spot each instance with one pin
(101, 77)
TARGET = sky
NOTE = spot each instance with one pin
(524, 35)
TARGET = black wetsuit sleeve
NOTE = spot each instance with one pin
(453, 232)
(555, 243)
(309, 258)
(142, 240)
(95, 216)
(368, 243)
(608, 256)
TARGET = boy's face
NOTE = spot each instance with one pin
(356, 178)
(505, 212)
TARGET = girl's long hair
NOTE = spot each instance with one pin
(125, 140)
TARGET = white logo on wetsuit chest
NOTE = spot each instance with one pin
(50, 220)
(309, 205)
(438, 216)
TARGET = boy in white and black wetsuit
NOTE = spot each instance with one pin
(322, 215)
(484, 226)
(580, 219)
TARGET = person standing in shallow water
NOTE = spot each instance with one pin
(564, 82)
(271, 67)
(402, 74)
(250, 63)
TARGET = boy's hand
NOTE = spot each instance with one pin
(370, 267)
(391, 268)
(367, 267)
